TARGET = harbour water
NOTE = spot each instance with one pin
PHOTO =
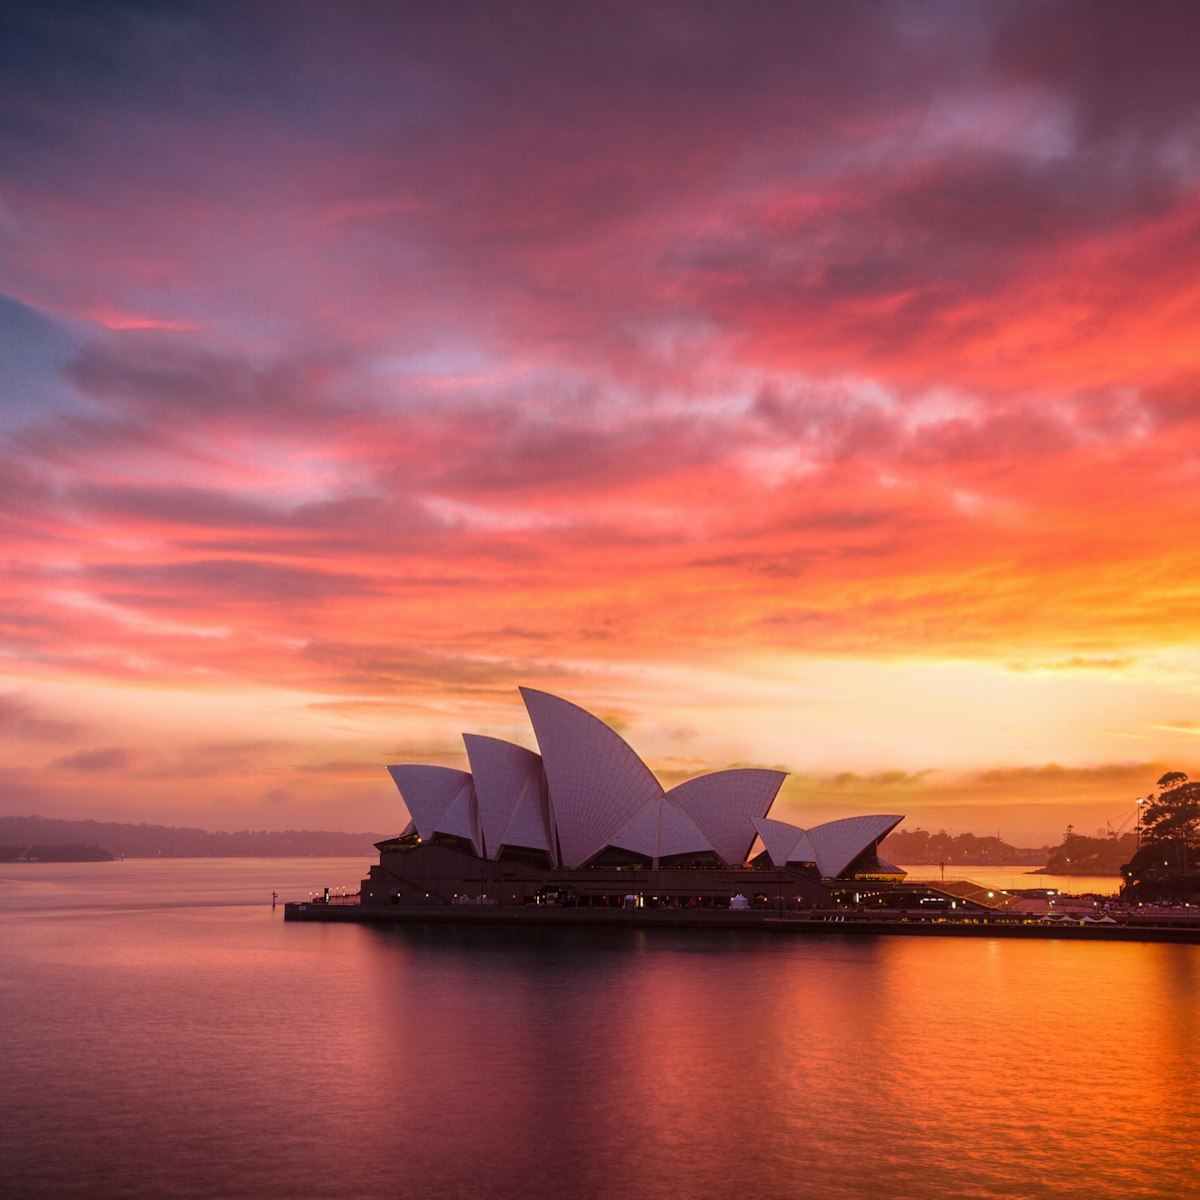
(1020, 877)
(166, 1034)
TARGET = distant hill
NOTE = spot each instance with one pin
(1079, 855)
(920, 847)
(32, 852)
(167, 841)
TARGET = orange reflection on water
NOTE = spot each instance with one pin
(272, 1059)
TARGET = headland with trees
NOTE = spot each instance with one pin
(49, 839)
(1165, 865)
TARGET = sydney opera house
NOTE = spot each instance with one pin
(585, 822)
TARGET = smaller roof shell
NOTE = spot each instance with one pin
(661, 830)
(785, 843)
(429, 792)
(839, 843)
(461, 818)
(724, 804)
(511, 794)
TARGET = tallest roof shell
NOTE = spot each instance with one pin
(597, 782)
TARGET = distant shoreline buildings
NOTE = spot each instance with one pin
(585, 822)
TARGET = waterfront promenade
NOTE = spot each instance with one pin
(1132, 925)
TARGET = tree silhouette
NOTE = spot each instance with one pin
(1170, 841)
(1171, 819)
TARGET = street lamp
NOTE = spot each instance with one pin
(1138, 827)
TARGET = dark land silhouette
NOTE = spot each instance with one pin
(54, 853)
(47, 838)
(1079, 855)
(920, 847)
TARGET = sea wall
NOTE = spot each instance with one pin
(1158, 928)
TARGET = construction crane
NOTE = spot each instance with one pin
(1135, 815)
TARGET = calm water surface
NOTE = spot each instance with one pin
(165, 1034)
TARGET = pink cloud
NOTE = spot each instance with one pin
(110, 759)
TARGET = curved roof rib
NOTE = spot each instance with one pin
(724, 804)
(597, 783)
(508, 787)
(429, 793)
(839, 843)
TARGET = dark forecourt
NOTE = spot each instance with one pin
(438, 875)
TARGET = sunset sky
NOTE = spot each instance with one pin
(810, 386)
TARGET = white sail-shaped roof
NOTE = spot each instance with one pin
(724, 804)
(429, 792)
(784, 843)
(839, 843)
(597, 783)
(508, 788)
(678, 833)
(661, 830)
(641, 834)
(589, 790)
(529, 825)
(461, 819)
